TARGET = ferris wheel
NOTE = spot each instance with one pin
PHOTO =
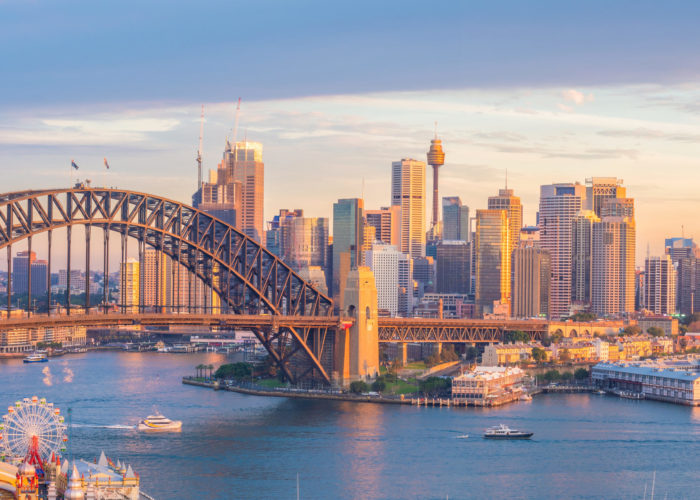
(32, 426)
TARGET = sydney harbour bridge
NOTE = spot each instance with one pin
(255, 290)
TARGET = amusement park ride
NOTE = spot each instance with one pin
(32, 437)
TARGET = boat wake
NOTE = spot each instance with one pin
(95, 426)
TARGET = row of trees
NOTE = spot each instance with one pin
(238, 371)
(654, 331)
(556, 376)
(203, 369)
(448, 354)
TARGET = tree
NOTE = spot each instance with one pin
(552, 375)
(471, 353)
(581, 374)
(448, 354)
(631, 330)
(379, 385)
(199, 369)
(584, 317)
(238, 371)
(655, 331)
(564, 356)
(358, 387)
(435, 386)
(517, 336)
(567, 376)
(539, 354)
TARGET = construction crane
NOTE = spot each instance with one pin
(199, 152)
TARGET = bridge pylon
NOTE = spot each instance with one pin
(357, 347)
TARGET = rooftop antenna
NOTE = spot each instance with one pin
(435, 130)
(235, 122)
(199, 152)
(682, 231)
(506, 179)
(648, 254)
(363, 188)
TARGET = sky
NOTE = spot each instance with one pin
(336, 91)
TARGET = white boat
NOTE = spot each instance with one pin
(463, 436)
(525, 397)
(505, 432)
(36, 357)
(158, 422)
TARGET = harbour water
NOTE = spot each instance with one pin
(237, 446)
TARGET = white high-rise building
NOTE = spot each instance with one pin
(559, 204)
(391, 270)
(660, 285)
(408, 192)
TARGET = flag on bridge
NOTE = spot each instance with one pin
(73, 164)
(106, 164)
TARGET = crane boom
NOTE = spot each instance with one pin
(199, 151)
(235, 122)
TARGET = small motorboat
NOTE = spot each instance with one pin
(463, 436)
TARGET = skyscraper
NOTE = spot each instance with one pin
(599, 189)
(660, 285)
(686, 257)
(436, 159)
(20, 274)
(559, 204)
(492, 241)
(408, 192)
(453, 267)
(348, 231)
(386, 222)
(306, 242)
(129, 293)
(507, 201)
(455, 219)
(613, 259)
(245, 165)
(582, 234)
(531, 281)
(390, 274)
(222, 195)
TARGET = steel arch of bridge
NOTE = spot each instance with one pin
(247, 277)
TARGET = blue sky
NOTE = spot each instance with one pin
(336, 91)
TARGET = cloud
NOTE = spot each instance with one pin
(576, 97)
(645, 133)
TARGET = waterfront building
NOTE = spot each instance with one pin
(582, 254)
(487, 385)
(671, 380)
(386, 223)
(21, 264)
(391, 270)
(506, 200)
(613, 259)
(492, 241)
(453, 267)
(455, 219)
(14, 341)
(348, 232)
(511, 354)
(531, 281)
(559, 204)
(660, 285)
(408, 192)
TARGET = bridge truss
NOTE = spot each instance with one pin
(244, 277)
(455, 330)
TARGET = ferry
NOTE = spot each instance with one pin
(36, 357)
(505, 432)
(158, 422)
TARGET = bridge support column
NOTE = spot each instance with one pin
(402, 353)
(357, 348)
